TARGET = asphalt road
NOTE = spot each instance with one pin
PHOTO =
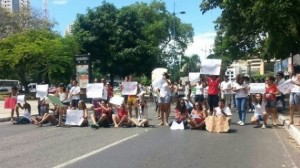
(30, 146)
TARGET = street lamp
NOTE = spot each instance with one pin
(174, 34)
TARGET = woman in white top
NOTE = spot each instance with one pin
(294, 96)
(241, 94)
(199, 92)
(26, 119)
(63, 97)
(165, 99)
(260, 113)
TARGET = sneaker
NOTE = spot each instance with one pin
(263, 126)
(242, 123)
(239, 122)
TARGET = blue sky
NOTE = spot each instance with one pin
(64, 12)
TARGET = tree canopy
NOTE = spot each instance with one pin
(261, 28)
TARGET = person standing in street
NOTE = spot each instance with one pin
(74, 94)
(213, 91)
(165, 99)
(226, 88)
(241, 94)
(294, 96)
(280, 97)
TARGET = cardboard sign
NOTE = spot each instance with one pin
(74, 117)
(129, 88)
(41, 91)
(194, 77)
(10, 103)
(55, 100)
(94, 90)
(210, 66)
(217, 124)
(116, 100)
(257, 88)
(21, 99)
(286, 86)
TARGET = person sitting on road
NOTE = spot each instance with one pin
(82, 106)
(26, 119)
(181, 113)
(46, 118)
(121, 117)
(260, 113)
(142, 120)
(222, 109)
(101, 114)
(197, 117)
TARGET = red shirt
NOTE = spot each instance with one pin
(270, 92)
(121, 113)
(213, 86)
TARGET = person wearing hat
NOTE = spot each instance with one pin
(280, 97)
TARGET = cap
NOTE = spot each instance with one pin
(279, 73)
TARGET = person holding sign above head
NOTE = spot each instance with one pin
(74, 94)
(260, 113)
(164, 99)
(131, 99)
(241, 93)
(270, 96)
(121, 117)
(213, 91)
(101, 114)
(295, 96)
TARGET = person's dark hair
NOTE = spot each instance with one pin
(255, 100)
(200, 106)
(166, 75)
(240, 79)
(222, 100)
(182, 108)
(14, 88)
(280, 73)
(83, 104)
(271, 78)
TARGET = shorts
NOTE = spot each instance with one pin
(164, 100)
(259, 117)
(294, 99)
(131, 100)
(199, 120)
(271, 104)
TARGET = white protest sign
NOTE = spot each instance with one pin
(74, 117)
(20, 99)
(129, 88)
(194, 77)
(116, 100)
(41, 91)
(94, 90)
(158, 83)
(104, 95)
(286, 86)
(257, 88)
(176, 126)
(210, 66)
(157, 73)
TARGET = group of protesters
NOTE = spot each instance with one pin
(195, 102)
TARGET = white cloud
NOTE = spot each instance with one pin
(202, 45)
(60, 2)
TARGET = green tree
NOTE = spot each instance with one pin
(37, 53)
(190, 64)
(261, 28)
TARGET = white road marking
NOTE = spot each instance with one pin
(94, 152)
(293, 164)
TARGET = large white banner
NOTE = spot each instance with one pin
(157, 73)
(21, 99)
(257, 88)
(210, 66)
(116, 100)
(158, 83)
(94, 90)
(129, 88)
(194, 77)
(74, 117)
(286, 86)
(41, 91)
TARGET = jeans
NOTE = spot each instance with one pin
(241, 107)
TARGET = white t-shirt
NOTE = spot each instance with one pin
(26, 114)
(296, 88)
(186, 89)
(199, 89)
(226, 111)
(226, 85)
(180, 90)
(240, 93)
(75, 90)
(259, 108)
(165, 90)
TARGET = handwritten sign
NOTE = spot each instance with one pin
(286, 86)
(116, 100)
(129, 88)
(158, 83)
(210, 66)
(41, 91)
(94, 90)
(257, 88)
(21, 99)
(194, 77)
(74, 117)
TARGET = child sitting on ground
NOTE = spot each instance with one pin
(26, 119)
(260, 113)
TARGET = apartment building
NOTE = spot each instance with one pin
(14, 5)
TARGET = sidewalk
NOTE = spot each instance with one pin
(293, 130)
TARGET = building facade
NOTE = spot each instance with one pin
(14, 5)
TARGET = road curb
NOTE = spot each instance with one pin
(291, 129)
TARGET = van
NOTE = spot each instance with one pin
(6, 85)
(32, 87)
